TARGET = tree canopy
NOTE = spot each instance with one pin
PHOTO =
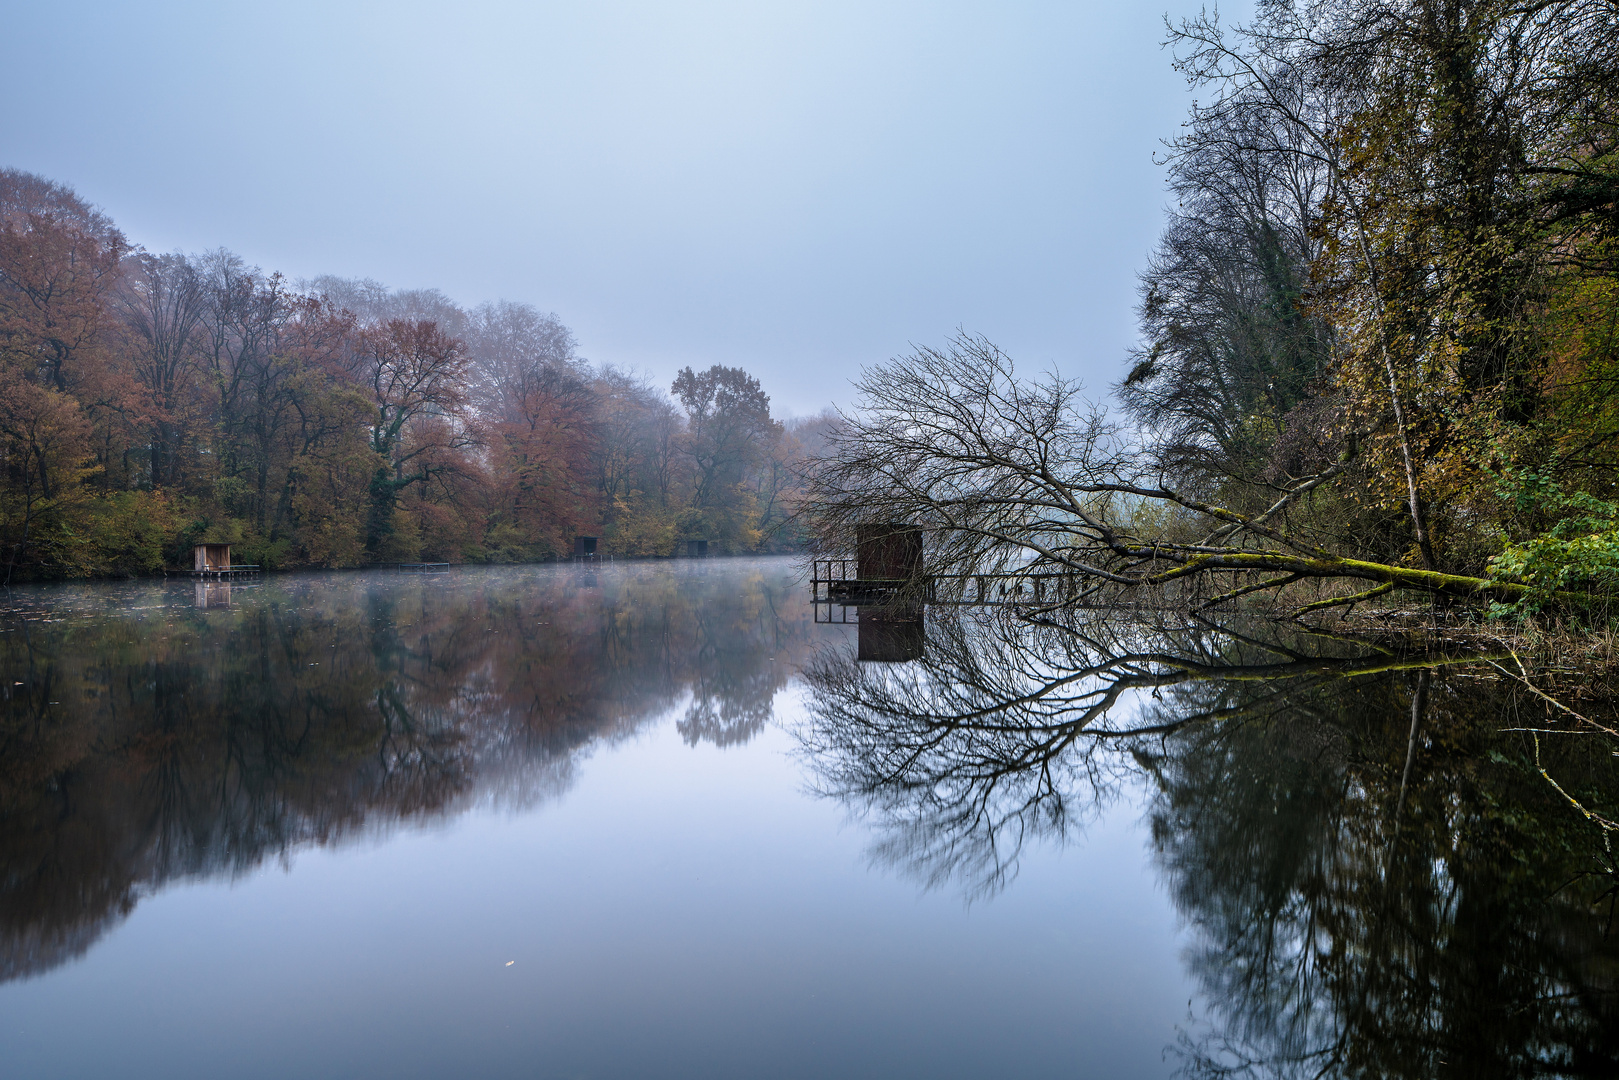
(151, 401)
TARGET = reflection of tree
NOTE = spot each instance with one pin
(190, 744)
(1352, 924)
(997, 734)
(733, 692)
(1378, 880)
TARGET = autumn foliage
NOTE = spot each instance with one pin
(152, 401)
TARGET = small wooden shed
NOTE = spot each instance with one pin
(888, 552)
(696, 549)
(210, 557)
(584, 547)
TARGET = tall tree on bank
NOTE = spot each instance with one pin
(416, 375)
(162, 303)
(59, 260)
(729, 433)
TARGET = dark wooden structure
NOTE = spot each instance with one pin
(696, 549)
(210, 557)
(887, 563)
(423, 567)
(584, 547)
(891, 552)
(885, 587)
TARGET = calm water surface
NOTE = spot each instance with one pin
(655, 820)
(517, 822)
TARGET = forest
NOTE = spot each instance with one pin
(1394, 254)
(1379, 343)
(149, 402)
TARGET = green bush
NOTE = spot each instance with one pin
(1580, 551)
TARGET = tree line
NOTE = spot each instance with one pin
(1394, 259)
(149, 402)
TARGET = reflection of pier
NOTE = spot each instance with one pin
(882, 587)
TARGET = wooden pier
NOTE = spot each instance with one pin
(838, 581)
(211, 562)
(423, 567)
(226, 573)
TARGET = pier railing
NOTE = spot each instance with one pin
(235, 570)
(836, 581)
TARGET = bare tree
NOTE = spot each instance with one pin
(1012, 477)
(507, 342)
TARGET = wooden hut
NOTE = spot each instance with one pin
(210, 558)
(584, 547)
(888, 552)
(696, 549)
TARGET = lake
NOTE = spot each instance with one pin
(656, 819)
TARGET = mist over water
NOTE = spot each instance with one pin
(625, 819)
(302, 827)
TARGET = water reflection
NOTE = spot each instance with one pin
(889, 637)
(153, 733)
(1378, 880)
(211, 594)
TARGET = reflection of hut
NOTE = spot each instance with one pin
(210, 557)
(212, 594)
(890, 640)
(696, 549)
(584, 547)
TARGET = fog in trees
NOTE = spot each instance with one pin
(155, 400)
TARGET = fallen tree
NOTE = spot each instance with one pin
(1008, 477)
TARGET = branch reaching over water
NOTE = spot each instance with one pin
(1010, 477)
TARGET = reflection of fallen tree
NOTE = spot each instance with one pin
(998, 734)
(1384, 886)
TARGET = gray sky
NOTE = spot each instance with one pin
(795, 188)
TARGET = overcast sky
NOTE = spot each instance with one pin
(795, 188)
